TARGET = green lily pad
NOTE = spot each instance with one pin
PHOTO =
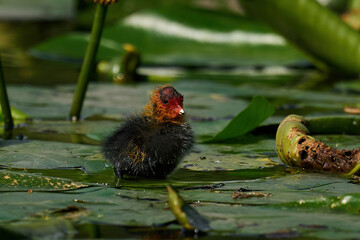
(12, 181)
(349, 203)
(46, 103)
(166, 36)
(204, 101)
(50, 155)
(38, 229)
(283, 189)
(106, 206)
(279, 223)
(226, 162)
(206, 178)
(87, 132)
(348, 86)
(250, 153)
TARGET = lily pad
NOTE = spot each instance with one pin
(204, 37)
(12, 181)
(255, 154)
(114, 208)
(349, 203)
(50, 155)
(87, 132)
(279, 223)
(41, 229)
(206, 179)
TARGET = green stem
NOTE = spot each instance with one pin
(88, 63)
(328, 42)
(5, 106)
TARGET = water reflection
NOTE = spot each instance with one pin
(19, 66)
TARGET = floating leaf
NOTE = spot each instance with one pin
(349, 203)
(13, 181)
(257, 112)
(39, 229)
(51, 155)
(136, 205)
(166, 36)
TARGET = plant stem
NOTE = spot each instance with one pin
(327, 41)
(5, 106)
(89, 60)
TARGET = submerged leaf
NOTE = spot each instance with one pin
(187, 216)
(195, 219)
(257, 112)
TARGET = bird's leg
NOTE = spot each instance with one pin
(118, 172)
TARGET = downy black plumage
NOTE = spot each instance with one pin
(153, 143)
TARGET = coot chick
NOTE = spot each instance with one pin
(153, 143)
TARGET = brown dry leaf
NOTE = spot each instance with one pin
(240, 194)
(352, 110)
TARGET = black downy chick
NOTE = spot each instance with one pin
(153, 143)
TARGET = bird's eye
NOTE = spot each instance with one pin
(165, 101)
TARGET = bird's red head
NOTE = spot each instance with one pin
(166, 104)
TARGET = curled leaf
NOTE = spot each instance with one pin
(296, 147)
